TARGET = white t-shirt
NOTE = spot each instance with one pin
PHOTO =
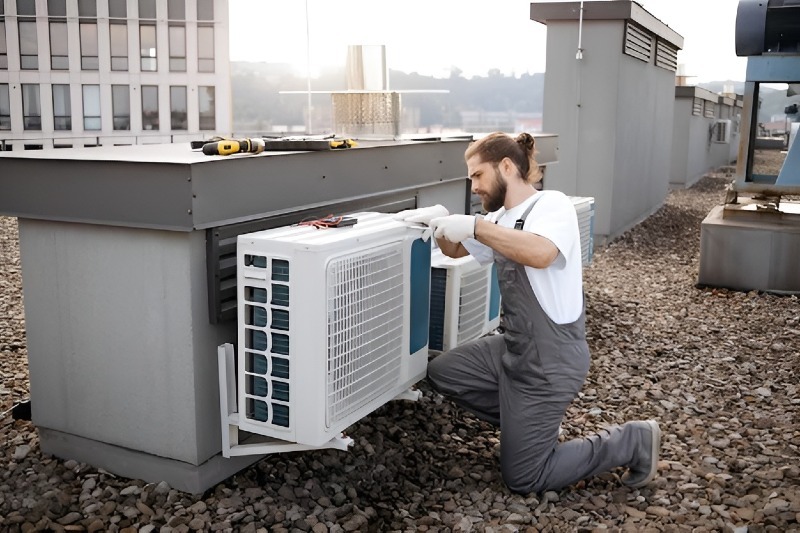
(559, 287)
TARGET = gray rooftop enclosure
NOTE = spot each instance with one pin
(696, 145)
(612, 109)
(125, 294)
(122, 343)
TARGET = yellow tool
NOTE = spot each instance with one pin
(234, 146)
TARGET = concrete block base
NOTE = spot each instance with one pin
(134, 464)
(747, 247)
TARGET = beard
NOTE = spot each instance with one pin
(495, 198)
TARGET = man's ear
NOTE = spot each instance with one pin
(507, 167)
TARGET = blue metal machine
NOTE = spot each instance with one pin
(752, 242)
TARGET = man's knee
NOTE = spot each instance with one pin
(436, 371)
(521, 483)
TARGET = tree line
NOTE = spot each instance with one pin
(258, 102)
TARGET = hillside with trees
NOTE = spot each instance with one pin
(258, 104)
(261, 102)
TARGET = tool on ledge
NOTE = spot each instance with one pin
(234, 146)
(222, 146)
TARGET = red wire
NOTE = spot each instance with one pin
(329, 221)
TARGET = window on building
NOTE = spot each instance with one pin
(31, 107)
(87, 8)
(207, 105)
(205, 10)
(91, 108)
(178, 108)
(121, 106)
(147, 40)
(149, 107)
(62, 107)
(177, 48)
(59, 50)
(88, 31)
(147, 9)
(118, 9)
(87, 11)
(26, 8)
(118, 33)
(176, 9)
(3, 45)
(205, 49)
(26, 25)
(28, 47)
(57, 8)
(5, 108)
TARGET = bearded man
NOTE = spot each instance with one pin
(524, 380)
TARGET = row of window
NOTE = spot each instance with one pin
(176, 9)
(120, 107)
(118, 45)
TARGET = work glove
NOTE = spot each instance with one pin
(423, 215)
(454, 228)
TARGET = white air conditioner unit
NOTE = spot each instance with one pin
(332, 324)
(584, 208)
(465, 300)
(722, 131)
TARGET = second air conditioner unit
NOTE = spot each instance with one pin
(584, 208)
(332, 324)
(465, 300)
(722, 131)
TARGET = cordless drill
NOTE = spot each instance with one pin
(234, 146)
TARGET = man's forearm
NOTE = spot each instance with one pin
(452, 249)
(521, 247)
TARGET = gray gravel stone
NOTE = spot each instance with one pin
(717, 368)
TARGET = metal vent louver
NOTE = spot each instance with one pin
(666, 56)
(638, 43)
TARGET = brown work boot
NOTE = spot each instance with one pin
(644, 466)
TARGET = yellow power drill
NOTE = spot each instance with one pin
(234, 146)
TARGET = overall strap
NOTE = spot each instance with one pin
(521, 221)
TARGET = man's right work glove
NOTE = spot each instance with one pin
(423, 215)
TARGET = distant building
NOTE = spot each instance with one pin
(506, 121)
(90, 72)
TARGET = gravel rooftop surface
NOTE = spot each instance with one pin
(718, 369)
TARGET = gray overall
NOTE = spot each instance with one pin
(524, 381)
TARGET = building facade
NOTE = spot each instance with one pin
(77, 73)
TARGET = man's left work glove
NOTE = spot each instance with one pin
(454, 228)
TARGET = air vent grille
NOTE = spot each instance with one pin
(365, 328)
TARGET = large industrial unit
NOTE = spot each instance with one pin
(752, 242)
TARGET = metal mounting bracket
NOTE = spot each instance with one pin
(229, 419)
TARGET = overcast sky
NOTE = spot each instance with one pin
(431, 36)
